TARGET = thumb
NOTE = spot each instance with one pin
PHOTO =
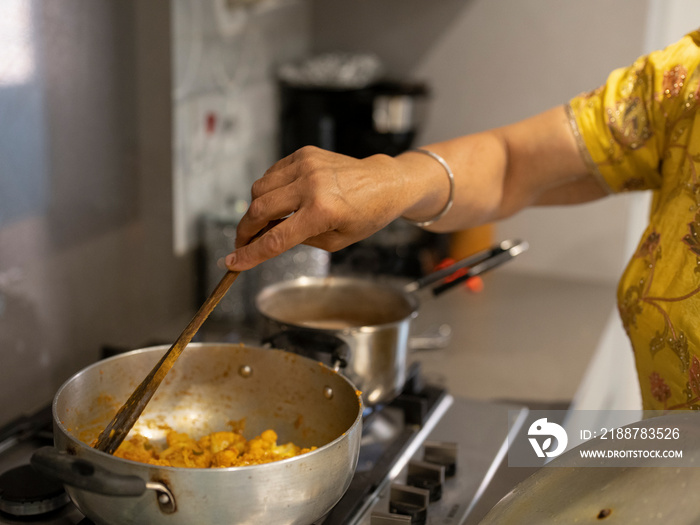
(241, 259)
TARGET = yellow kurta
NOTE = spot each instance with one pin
(641, 131)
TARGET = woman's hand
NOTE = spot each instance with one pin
(327, 200)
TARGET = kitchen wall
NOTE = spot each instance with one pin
(491, 62)
(85, 189)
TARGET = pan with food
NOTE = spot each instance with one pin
(295, 412)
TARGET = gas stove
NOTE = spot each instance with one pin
(25, 495)
(426, 458)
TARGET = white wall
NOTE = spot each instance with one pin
(669, 20)
(491, 62)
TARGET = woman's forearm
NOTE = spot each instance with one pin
(501, 171)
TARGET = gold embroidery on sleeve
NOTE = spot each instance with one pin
(585, 154)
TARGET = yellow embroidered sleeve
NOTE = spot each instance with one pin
(622, 127)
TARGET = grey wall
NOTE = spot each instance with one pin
(491, 62)
(86, 259)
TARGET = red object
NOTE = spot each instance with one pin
(473, 284)
(210, 124)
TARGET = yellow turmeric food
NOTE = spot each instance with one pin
(216, 450)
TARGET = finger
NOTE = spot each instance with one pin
(272, 206)
(283, 172)
(275, 241)
(274, 178)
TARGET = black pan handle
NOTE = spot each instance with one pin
(314, 344)
(478, 263)
(496, 257)
(85, 475)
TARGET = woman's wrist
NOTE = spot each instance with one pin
(431, 186)
(450, 196)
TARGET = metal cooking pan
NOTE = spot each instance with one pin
(359, 325)
(212, 384)
(571, 490)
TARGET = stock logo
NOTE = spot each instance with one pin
(541, 428)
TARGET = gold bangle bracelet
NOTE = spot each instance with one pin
(450, 199)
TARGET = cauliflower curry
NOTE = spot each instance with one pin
(216, 450)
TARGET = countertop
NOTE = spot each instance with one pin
(524, 338)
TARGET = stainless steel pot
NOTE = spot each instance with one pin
(358, 325)
(212, 384)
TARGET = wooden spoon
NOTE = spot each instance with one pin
(115, 432)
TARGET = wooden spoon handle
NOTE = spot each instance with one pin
(115, 432)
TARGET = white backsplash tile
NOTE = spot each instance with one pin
(225, 100)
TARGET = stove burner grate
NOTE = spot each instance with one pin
(25, 492)
(416, 409)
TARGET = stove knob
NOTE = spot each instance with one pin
(441, 453)
(409, 501)
(428, 476)
(383, 518)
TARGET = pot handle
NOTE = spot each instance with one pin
(313, 344)
(477, 264)
(85, 475)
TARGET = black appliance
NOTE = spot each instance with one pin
(383, 117)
